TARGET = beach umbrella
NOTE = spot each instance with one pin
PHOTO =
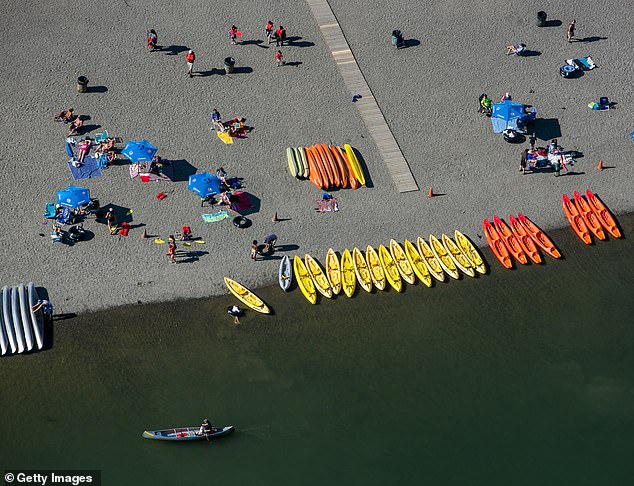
(73, 197)
(505, 115)
(139, 151)
(204, 184)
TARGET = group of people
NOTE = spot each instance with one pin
(550, 156)
(267, 249)
(235, 127)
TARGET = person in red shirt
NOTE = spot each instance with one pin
(233, 33)
(269, 31)
(279, 58)
(190, 57)
(151, 39)
(280, 36)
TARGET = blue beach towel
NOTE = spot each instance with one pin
(214, 217)
(88, 170)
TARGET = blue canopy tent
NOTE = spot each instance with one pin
(204, 184)
(139, 151)
(505, 115)
(73, 197)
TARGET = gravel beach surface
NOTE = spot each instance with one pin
(428, 93)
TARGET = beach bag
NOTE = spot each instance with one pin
(593, 106)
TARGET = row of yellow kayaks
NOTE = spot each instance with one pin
(383, 267)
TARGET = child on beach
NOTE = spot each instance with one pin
(254, 250)
(111, 220)
(171, 251)
(279, 58)
(151, 39)
(233, 33)
(190, 57)
(269, 31)
(75, 125)
(571, 31)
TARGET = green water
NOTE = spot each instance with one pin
(520, 377)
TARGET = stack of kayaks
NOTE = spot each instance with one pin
(21, 329)
(589, 216)
(391, 266)
(517, 242)
(326, 166)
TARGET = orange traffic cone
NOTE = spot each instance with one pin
(431, 192)
(600, 166)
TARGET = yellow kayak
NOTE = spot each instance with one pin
(333, 271)
(304, 282)
(348, 278)
(354, 164)
(391, 272)
(247, 297)
(417, 262)
(402, 263)
(376, 269)
(470, 252)
(361, 270)
(433, 264)
(319, 277)
(461, 261)
(443, 257)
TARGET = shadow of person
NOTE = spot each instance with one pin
(410, 43)
(173, 50)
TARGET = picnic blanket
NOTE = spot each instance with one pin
(89, 169)
(225, 137)
(214, 217)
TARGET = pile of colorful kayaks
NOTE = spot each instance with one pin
(326, 166)
(518, 241)
(384, 267)
(587, 215)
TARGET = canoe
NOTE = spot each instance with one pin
(376, 269)
(292, 163)
(247, 297)
(302, 157)
(352, 180)
(285, 275)
(13, 328)
(354, 162)
(187, 433)
(391, 270)
(334, 167)
(326, 167)
(441, 253)
(591, 220)
(304, 282)
(25, 314)
(361, 270)
(576, 220)
(314, 170)
(417, 263)
(525, 240)
(345, 182)
(348, 277)
(497, 245)
(461, 261)
(402, 263)
(333, 271)
(319, 277)
(470, 251)
(37, 318)
(602, 212)
(433, 264)
(539, 237)
(510, 240)
(17, 319)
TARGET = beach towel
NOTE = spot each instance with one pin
(88, 170)
(214, 217)
(225, 137)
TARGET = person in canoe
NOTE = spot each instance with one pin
(205, 428)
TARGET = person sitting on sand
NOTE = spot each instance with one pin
(65, 116)
(506, 97)
(84, 149)
(517, 49)
(485, 104)
(236, 127)
(216, 120)
(75, 125)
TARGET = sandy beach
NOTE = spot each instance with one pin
(428, 93)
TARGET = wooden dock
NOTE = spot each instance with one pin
(397, 166)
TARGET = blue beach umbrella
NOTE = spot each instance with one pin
(73, 197)
(139, 151)
(204, 184)
(505, 115)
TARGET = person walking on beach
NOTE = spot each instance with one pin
(523, 161)
(571, 31)
(233, 33)
(254, 250)
(235, 312)
(171, 251)
(151, 39)
(280, 36)
(279, 58)
(269, 31)
(190, 57)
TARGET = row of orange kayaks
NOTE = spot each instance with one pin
(589, 215)
(519, 241)
(331, 166)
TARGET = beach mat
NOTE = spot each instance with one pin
(88, 170)
(225, 137)
(214, 217)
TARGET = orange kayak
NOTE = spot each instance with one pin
(497, 245)
(510, 240)
(341, 164)
(539, 237)
(591, 220)
(325, 163)
(527, 243)
(606, 219)
(319, 164)
(576, 221)
(313, 173)
(336, 173)
(354, 183)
